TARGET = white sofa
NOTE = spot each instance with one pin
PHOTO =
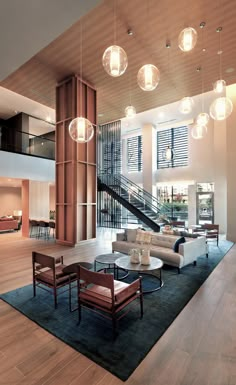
(162, 246)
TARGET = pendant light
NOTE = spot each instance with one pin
(114, 59)
(199, 130)
(130, 111)
(148, 77)
(222, 107)
(186, 105)
(168, 154)
(187, 39)
(81, 129)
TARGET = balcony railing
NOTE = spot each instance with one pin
(24, 143)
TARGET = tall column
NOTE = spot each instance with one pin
(230, 165)
(148, 133)
(25, 207)
(76, 179)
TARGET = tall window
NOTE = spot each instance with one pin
(176, 139)
(135, 153)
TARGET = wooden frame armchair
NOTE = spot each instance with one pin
(48, 274)
(107, 296)
(211, 231)
(178, 224)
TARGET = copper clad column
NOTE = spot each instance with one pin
(76, 176)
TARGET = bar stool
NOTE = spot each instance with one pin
(44, 229)
(52, 226)
(34, 228)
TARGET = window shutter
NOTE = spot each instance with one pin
(135, 154)
(176, 139)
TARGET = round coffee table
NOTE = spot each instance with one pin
(110, 259)
(146, 270)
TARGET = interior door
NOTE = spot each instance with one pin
(205, 207)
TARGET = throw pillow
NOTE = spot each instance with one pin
(143, 236)
(177, 243)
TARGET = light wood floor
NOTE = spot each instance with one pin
(199, 348)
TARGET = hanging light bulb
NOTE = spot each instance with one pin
(219, 86)
(186, 105)
(202, 119)
(148, 77)
(221, 108)
(115, 61)
(187, 39)
(81, 130)
(198, 131)
(168, 154)
(130, 112)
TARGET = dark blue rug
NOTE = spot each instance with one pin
(93, 337)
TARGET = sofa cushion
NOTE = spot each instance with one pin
(131, 235)
(163, 240)
(177, 243)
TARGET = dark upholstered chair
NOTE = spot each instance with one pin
(211, 232)
(178, 224)
(107, 296)
(48, 274)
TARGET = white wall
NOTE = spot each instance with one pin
(207, 163)
(26, 167)
(10, 200)
(39, 205)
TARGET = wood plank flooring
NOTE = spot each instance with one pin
(199, 347)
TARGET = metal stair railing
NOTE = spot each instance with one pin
(135, 194)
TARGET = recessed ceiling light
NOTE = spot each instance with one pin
(229, 70)
(48, 119)
(161, 114)
(100, 115)
(9, 180)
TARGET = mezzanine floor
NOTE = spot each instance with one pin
(198, 348)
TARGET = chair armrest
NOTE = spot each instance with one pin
(120, 237)
(129, 291)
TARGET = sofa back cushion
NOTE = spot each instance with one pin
(130, 235)
(163, 240)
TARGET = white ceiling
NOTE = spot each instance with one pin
(27, 26)
(12, 103)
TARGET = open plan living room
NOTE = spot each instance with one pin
(117, 188)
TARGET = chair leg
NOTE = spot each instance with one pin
(55, 297)
(141, 306)
(34, 288)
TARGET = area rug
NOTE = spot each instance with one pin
(136, 337)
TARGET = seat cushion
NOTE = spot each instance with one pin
(47, 276)
(100, 295)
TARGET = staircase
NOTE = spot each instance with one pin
(139, 202)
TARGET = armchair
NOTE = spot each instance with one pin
(48, 274)
(107, 296)
(211, 231)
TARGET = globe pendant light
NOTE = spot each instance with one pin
(115, 61)
(186, 105)
(198, 131)
(168, 154)
(221, 108)
(187, 39)
(81, 129)
(202, 119)
(130, 112)
(148, 77)
(219, 86)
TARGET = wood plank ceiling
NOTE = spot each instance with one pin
(153, 23)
